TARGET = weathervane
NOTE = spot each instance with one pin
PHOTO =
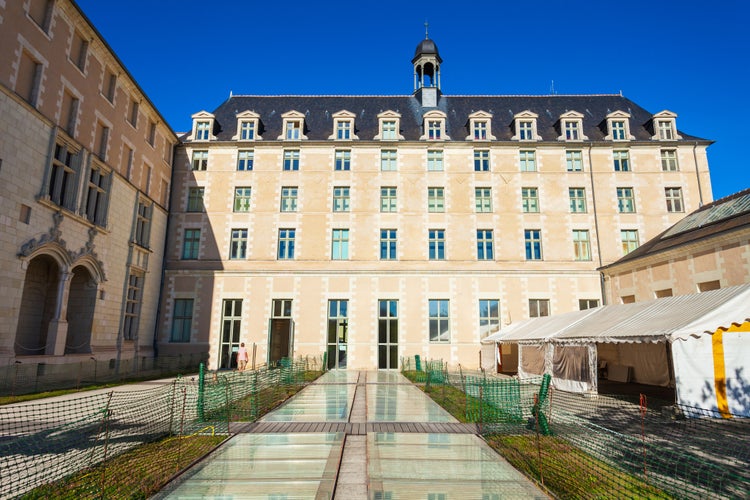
(426, 30)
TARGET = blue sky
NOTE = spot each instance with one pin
(691, 57)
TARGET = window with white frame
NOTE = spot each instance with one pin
(247, 130)
(436, 244)
(530, 200)
(618, 127)
(435, 199)
(533, 244)
(293, 126)
(388, 199)
(343, 130)
(388, 126)
(485, 244)
(291, 159)
(481, 160)
(343, 126)
(572, 131)
(621, 160)
(489, 316)
(525, 130)
(584, 304)
(238, 244)
(577, 196)
(341, 199)
(245, 159)
(289, 199)
(527, 161)
(669, 160)
(388, 160)
(389, 130)
(286, 244)
(388, 244)
(581, 244)
(665, 126)
(195, 199)
(673, 196)
(248, 126)
(665, 130)
(483, 199)
(242, 197)
(618, 130)
(433, 126)
(524, 124)
(629, 238)
(480, 127)
(434, 130)
(434, 160)
(538, 308)
(574, 161)
(571, 127)
(479, 130)
(625, 200)
(191, 242)
(439, 320)
(202, 130)
(200, 159)
(340, 244)
(342, 159)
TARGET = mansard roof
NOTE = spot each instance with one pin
(319, 110)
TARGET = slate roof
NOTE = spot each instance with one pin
(727, 214)
(318, 111)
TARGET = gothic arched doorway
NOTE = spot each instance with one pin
(38, 302)
(80, 311)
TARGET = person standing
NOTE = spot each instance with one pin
(242, 357)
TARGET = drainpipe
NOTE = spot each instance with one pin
(596, 227)
(697, 174)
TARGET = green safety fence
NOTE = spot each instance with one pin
(128, 442)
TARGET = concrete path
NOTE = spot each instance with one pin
(355, 435)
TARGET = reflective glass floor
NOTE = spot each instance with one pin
(403, 403)
(316, 403)
(441, 466)
(267, 466)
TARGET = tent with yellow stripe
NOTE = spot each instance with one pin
(698, 342)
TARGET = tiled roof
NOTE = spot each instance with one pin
(318, 111)
(721, 216)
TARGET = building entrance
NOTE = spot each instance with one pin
(231, 324)
(280, 331)
(387, 334)
(338, 334)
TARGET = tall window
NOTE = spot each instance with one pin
(480, 130)
(202, 131)
(572, 132)
(621, 160)
(242, 199)
(483, 199)
(629, 238)
(581, 245)
(247, 130)
(669, 160)
(481, 160)
(439, 320)
(435, 199)
(666, 132)
(143, 224)
(389, 130)
(573, 161)
(289, 199)
(436, 244)
(286, 244)
(293, 130)
(340, 244)
(291, 159)
(133, 113)
(434, 161)
(195, 199)
(41, 12)
(245, 159)
(69, 113)
(78, 51)
(191, 244)
(342, 159)
(151, 137)
(97, 195)
(102, 140)
(533, 242)
(200, 160)
(28, 81)
(341, 199)
(343, 129)
(387, 244)
(525, 130)
(182, 320)
(238, 245)
(618, 130)
(133, 297)
(387, 160)
(484, 244)
(538, 308)
(489, 316)
(109, 85)
(530, 200)
(387, 199)
(527, 161)
(625, 200)
(434, 129)
(674, 199)
(577, 200)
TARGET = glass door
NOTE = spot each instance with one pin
(338, 334)
(388, 334)
(280, 331)
(231, 323)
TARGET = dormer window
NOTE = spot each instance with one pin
(665, 127)
(343, 126)
(525, 126)
(618, 127)
(389, 124)
(480, 127)
(248, 124)
(434, 126)
(571, 127)
(293, 126)
(203, 126)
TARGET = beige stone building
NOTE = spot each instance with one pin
(707, 250)
(377, 227)
(85, 164)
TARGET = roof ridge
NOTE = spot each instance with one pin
(412, 95)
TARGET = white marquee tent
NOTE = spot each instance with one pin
(707, 336)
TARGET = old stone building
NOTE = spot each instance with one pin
(376, 227)
(85, 164)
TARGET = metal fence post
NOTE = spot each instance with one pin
(201, 390)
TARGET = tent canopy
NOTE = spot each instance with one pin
(660, 320)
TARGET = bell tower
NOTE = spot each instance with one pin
(427, 63)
